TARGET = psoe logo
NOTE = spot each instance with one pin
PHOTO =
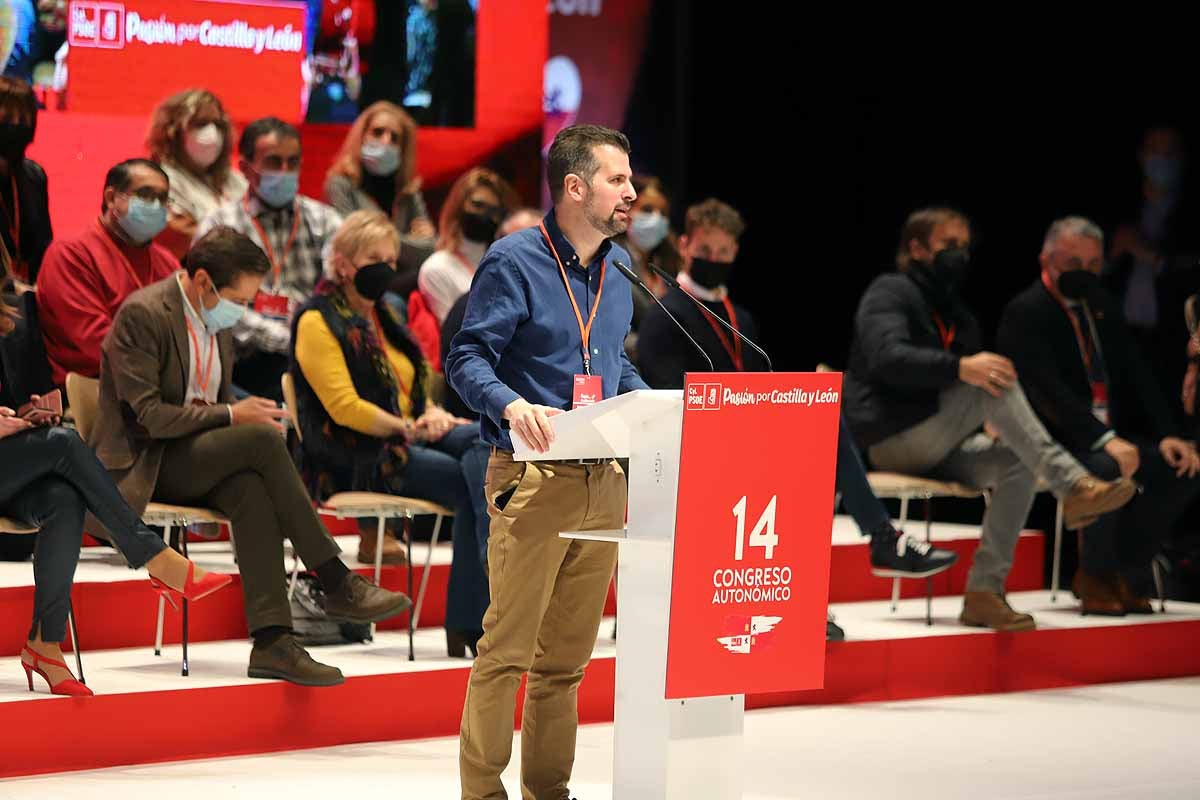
(703, 397)
(746, 633)
(97, 24)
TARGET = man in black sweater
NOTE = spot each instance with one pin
(1090, 385)
(919, 390)
(708, 247)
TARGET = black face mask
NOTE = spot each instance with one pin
(479, 228)
(710, 274)
(373, 280)
(1078, 284)
(950, 268)
(14, 138)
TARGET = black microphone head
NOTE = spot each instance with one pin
(666, 276)
(626, 271)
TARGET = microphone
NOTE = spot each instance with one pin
(674, 284)
(636, 281)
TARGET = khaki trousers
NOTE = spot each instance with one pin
(547, 600)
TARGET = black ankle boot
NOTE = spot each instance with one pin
(458, 642)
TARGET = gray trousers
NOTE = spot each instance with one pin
(950, 446)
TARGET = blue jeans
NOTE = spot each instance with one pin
(857, 498)
(446, 472)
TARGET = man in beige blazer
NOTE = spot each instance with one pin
(168, 430)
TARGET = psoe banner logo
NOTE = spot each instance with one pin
(747, 633)
(704, 397)
(97, 24)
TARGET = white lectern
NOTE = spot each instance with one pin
(663, 749)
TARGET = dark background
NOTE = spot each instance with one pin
(826, 141)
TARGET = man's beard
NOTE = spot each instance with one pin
(610, 226)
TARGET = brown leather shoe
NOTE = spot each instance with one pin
(286, 660)
(359, 600)
(393, 551)
(1091, 497)
(991, 610)
(1131, 601)
(1096, 595)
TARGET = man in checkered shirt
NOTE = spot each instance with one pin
(292, 230)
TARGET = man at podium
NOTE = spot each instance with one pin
(543, 333)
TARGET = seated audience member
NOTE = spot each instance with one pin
(86, 279)
(1087, 381)
(50, 479)
(518, 220)
(919, 390)
(168, 431)
(292, 230)
(1192, 320)
(649, 240)
(709, 246)
(191, 137)
(364, 411)
(471, 215)
(25, 231)
(377, 169)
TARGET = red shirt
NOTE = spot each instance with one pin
(82, 283)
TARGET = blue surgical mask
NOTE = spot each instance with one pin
(144, 219)
(278, 189)
(380, 159)
(224, 315)
(648, 229)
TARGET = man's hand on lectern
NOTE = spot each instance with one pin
(532, 423)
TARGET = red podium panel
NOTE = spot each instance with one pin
(750, 583)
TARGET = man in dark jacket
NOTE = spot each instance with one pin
(1096, 394)
(918, 390)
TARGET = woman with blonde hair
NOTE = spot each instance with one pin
(364, 411)
(376, 169)
(191, 137)
(472, 213)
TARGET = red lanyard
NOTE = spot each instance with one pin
(466, 264)
(203, 375)
(585, 331)
(276, 264)
(1080, 339)
(124, 259)
(946, 334)
(734, 347)
(383, 343)
(14, 219)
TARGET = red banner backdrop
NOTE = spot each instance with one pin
(751, 571)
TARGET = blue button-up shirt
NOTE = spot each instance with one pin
(520, 337)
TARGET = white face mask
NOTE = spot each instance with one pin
(203, 145)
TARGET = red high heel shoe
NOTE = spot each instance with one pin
(67, 686)
(192, 590)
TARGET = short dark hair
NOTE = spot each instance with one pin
(712, 213)
(264, 127)
(571, 154)
(225, 253)
(17, 98)
(121, 175)
(920, 226)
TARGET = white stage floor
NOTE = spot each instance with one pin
(1131, 741)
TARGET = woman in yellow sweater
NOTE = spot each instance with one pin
(363, 409)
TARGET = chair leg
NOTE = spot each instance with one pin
(380, 530)
(184, 605)
(929, 580)
(412, 655)
(1157, 568)
(896, 581)
(416, 614)
(169, 535)
(75, 640)
(295, 573)
(1056, 565)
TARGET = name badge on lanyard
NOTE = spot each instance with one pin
(1100, 402)
(587, 389)
(275, 306)
(278, 307)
